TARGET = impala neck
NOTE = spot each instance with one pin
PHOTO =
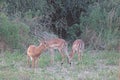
(41, 47)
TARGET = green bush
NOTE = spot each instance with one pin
(100, 27)
(9, 31)
(12, 32)
(73, 31)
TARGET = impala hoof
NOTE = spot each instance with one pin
(61, 64)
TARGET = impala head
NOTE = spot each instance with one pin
(43, 43)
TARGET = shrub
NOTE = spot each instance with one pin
(101, 28)
(12, 32)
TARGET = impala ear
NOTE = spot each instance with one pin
(45, 42)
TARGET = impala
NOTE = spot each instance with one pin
(60, 45)
(33, 53)
(78, 46)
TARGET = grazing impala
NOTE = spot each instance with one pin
(78, 46)
(33, 53)
(60, 45)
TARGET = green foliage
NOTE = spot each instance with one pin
(73, 31)
(112, 57)
(101, 27)
(2, 3)
(98, 22)
(8, 31)
(13, 33)
(36, 7)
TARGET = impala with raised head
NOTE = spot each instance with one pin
(77, 47)
(33, 53)
(60, 45)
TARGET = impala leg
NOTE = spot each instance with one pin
(33, 63)
(71, 55)
(28, 60)
(36, 63)
(79, 55)
(63, 56)
(66, 51)
(52, 56)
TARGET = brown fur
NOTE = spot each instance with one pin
(60, 45)
(33, 53)
(78, 46)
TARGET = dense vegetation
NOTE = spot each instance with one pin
(96, 22)
(24, 22)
